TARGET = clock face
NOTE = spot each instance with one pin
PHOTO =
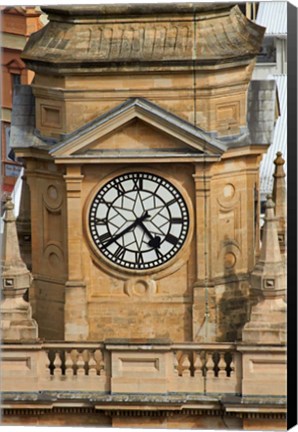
(138, 220)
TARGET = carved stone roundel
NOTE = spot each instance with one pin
(52, 196)
(138, 220)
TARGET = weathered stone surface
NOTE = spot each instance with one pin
(261, 110)
(280, 198)
(89, 36)
(16, 318)
(267, 322)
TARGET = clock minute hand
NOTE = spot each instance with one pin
(154, 241)
(127, 229)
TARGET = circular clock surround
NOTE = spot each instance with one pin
(138, 221)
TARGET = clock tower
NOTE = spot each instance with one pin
(142, 152)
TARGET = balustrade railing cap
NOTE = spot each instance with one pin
(136, 341)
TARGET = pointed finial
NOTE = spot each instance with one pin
(11, 258)
(16, 318)
(269, 209)
(269, 202)
(9, 207)
(280, 198)
(270, 251)
(9, 204)
(279, 159)
(9, 210)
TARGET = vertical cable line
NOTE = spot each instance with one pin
(206, 237)
(206, 257)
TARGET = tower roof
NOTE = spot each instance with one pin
(109, 37)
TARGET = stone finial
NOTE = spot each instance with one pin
(270, 251)
(24, 225)
(11, 258)
(279, 163)
(280, 198)
(16, 319)
(268, 317)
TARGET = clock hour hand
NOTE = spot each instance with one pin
(154, 241)
(127, 229)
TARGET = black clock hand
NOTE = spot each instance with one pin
(127, 229)
(154, 241)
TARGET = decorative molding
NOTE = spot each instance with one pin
(228, 197)
(140, 287)
(112, 411)
(53, 197)
(193, 139)
(51, 116)
(170, 41)
(54, 256)
(12, 41)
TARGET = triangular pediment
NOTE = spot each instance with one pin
(137, 128)
(15, 64)
(136, 136)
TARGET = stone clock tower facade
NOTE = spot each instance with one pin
(143, 172)
(151, 303)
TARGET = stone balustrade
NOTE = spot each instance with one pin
(207, 368)
(120, 367)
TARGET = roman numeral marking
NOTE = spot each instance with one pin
(176, 220)
(171, 239)
(107, 203)
(120, 189)
(101, 221)
(139, 258)
(104, 238)
(137, 183)
(158, 253)
(120, 252)
(173, 201)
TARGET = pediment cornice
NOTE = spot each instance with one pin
(194, 141)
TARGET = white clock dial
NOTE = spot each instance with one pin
(138, 220)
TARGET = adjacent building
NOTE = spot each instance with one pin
(272, 64)
(17, 23)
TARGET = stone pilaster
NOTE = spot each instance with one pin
(280, 199)
(76, 325)
(16, 317)
(203, 293)
(267, 323)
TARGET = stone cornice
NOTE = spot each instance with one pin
(112, 10)
(95, 37)
(138, 405)
(195, 139)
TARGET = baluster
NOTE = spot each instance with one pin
(80, 365)
(102, 369)
(48, 363)
(69, 371)
(176, 365)
(222, 373)
(209, 366)
(57, 364)
(198, 365)
(232, 365)
(185, 365)
(92, 371)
